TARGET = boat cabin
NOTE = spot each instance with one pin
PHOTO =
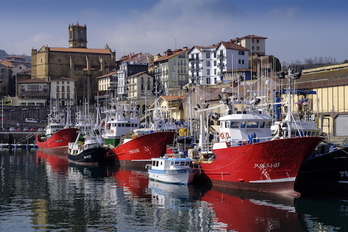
(171, 163)
(245, 128)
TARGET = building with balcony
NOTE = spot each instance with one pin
(171, 70)
(127, 66)
(32, 92)
(208, 64)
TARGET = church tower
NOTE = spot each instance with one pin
(77, 36)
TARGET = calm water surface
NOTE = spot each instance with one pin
(43, 192)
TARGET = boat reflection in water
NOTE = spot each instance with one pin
(172, 196)
(118, 199)
(56, 159)
(237, 210)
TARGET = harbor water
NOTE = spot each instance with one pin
(42, 191)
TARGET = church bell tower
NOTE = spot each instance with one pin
(77, 36)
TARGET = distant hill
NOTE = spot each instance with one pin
(3, 54)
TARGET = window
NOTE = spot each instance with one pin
(234, 124)
(208, 63)
(208, 71)
(241, 53)
(207, 55)
(214, 62)
(252, 124)
(208, 81)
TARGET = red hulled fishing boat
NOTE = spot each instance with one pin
(139, 150)
(58, 132)
(247, 157)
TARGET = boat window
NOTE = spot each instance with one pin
(127, 125)
(252, 124)
(182, 163)
(262, 124)
(234, 125)
(177, 163)
(227, 125)
(268, 124)
(222, 124)
(171, 163)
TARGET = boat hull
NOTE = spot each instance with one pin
(60, 139)
(325, 174)
(181, 176)
(139, 151)
(270, 166)
(93, 156)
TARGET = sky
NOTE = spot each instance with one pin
(295, 30)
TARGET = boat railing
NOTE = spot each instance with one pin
(251, 140)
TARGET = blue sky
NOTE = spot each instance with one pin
(296, 30)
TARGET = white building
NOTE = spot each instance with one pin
(63, 91)
(207, 64)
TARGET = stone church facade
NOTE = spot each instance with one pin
(76, 62)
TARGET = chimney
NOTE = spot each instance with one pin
(168, 52)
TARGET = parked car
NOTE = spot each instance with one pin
(31, 120)
(19, 129)
(33, 129)
(12, 129)
(40, 129)
(25, 129)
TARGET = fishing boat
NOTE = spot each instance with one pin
(89, 148)
(247, 156)
(138, 150)
(173, 169)
(325, 172)
(119, 120)
(58, 132)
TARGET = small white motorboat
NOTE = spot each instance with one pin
(172, 169)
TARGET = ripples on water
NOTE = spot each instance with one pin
(43, 192)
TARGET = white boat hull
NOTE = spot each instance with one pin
(181, 176)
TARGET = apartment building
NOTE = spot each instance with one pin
(171, 71)
(207, 64)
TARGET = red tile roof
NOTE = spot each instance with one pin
(80, 50)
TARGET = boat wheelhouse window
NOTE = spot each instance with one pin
(177, 163)
(234, 125)
(242, 125)
(252, 124)
(268, 124)
(227, 124)
(262, 124)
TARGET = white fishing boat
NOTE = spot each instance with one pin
(119, 120)
(172, 169)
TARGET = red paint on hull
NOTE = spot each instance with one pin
(146, 146)
(59, 139)
(270, 166)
